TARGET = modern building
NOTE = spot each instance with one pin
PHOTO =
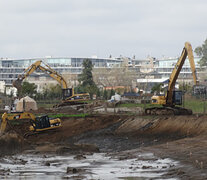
(70, 67)
(162, 68)
(11, 68)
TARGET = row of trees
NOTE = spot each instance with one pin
(54, 92)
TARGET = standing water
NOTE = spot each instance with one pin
(96, 166)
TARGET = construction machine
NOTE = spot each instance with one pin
(68, 95)
(28, 120)
(172, 98)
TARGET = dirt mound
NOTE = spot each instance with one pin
(20, 127)
(10, 143)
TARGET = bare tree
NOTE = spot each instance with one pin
(116, 76)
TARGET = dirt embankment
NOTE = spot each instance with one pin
(183, 138)
(179, 137)
(76, 126)
(165, 126)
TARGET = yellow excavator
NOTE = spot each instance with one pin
(28, 120)
(68, 95)
(173, 97)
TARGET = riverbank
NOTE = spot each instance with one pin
(180, 139)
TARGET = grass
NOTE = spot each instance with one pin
(197, 105)
(67, 115)
(43, 105)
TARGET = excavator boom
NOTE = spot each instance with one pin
(187, 51)
(68, 95)
(67, 92)
(173, 97)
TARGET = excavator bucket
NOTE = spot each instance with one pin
(17, 84)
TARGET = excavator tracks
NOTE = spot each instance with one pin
(168, 111)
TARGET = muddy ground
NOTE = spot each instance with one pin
(181, 138)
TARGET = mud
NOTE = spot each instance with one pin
(10, 143)
(180, 138)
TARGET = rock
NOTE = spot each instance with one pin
(79, 157)
(71, 170)
(146, 167)
(47, 164)
(180, 172)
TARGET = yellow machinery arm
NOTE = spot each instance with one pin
(187, 51)
(67, 92)
(54, 75)
(14, 116)
(172, 97)
(37, 65)
(38, 124)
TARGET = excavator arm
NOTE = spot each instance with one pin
(37, 124)
(67, 92)
(172, 97)
(187, 51)
(18, 83)
(14, 116)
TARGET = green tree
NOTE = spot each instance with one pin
(157, 88)
(29, 89)
(185, 87)
(52, 91)
(202, 51)
(105, 94)
(86, 79)
(112, 92)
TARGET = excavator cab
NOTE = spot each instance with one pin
(177, 97)
(43, 123)
(67, 93)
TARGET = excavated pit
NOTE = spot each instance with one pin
(177, 137)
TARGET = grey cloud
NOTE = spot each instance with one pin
(87, 27)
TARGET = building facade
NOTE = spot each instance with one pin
(150, 68)
(11, 68)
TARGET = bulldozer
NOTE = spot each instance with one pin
(172, 99)
(28, 122)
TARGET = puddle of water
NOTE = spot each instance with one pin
(96, 166)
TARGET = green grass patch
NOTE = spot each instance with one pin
(197, 105)
(43, 105)
(67, 115)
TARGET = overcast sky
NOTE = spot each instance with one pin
(38, 28)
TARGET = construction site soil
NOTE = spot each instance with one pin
(181, 138)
